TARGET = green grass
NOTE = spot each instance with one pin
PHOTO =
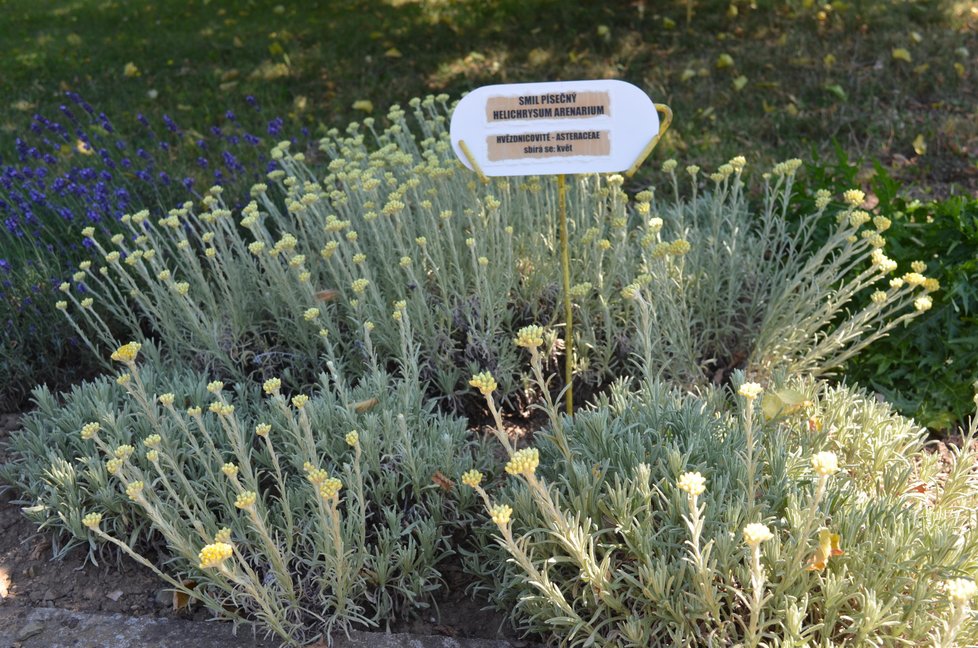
(311, 61)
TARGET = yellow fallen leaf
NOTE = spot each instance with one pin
(668, 23)
(365, 105)
(739, 83)
(792, 110)
(959, 68)
(828, 61)
(393, 53)
(919, 145)
(901, 54)
(687, 75)
(130, 70)
(783, 402)
(724, 61)
(916, 37)
(828, 546)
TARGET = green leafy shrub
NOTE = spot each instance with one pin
(810, 515)
(308, 516)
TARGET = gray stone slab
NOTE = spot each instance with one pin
(22, 627)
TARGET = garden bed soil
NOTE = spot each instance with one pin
(31, 578)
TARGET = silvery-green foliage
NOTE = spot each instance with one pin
(303, 565)
(904, 530)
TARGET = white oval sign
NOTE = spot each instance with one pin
(555, 127)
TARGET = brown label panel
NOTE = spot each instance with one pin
(548, 144)
(555, 105)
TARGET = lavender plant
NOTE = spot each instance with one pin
(308, 515)
(79, 170)
(684, 520)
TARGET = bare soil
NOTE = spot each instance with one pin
(30, 577)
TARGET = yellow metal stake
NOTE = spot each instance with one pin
(663, 127)
(568, 310)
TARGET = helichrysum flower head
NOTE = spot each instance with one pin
(484, 382)
(330, 488)
(825, 463)
(878, 297)
(669, 166)
(193, 411)
(501, 514)
(310, 314)
(854, 197)
(272, 386)
(923, 303)
(961, 590)
(930, 284)
(113, 465)
(523, 462)
(224, 535)
(750, 390)
(123, 452)
(300, 401)
(529, 337)
(230, 470)
(692, 483)
(214, 554)
(92, 520)
(127, 352)
(153, 441)
(262, 429)
(352, 438)
(215, 386)
(679, 247)
(89, 430)
(246, 500)
(914, 278)
(359, 286)
(133, 489)
(167, 399)
(755, 533)
(61, 305)
(472, 478)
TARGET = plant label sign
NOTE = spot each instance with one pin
(555, 127)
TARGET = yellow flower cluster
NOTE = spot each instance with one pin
(472, 478)
(112, 466)
(360, 286)
(133, 489)
(692, 483)
(854, 197)
(310, 314)
(215, 386)
(788, 167)
(352, 438)
(89, 430)
(961, 590)
(750, 390)
(523, 462)
(214, 554)
(501, 514)
(529, 337)
(224, 535)
(484, 382)
(167, 399)
(272, 386)
(152, 456)
(755, 533)
(127, 352)
(300, 401)
(315, 475)
(153, 441)
(825, 463)
(330, 488)
(123, 452)
(246, 499)
(262, 429)
(193, 411)
(923, 303)
(92, 520)
(223, 409)
(914, 279)
(230, 470)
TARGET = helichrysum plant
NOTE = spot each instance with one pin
(308, 515)
(812, 518)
